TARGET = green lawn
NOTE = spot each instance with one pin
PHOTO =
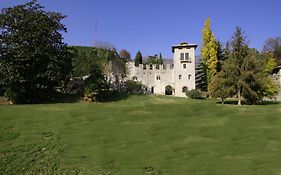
(139, 135)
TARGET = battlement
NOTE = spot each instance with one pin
(154, 67)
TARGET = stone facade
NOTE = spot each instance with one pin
(168, 79)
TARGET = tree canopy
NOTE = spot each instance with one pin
(124, 54)
(34, 60)
(138, 59)
(243, 74)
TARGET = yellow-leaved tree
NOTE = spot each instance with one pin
(209, 50)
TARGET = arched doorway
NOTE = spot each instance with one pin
(168, 90)
(184, 89)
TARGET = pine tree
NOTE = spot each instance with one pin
(200, 76)
(209, 51)
(227, 50)
(138, 59)
(160, 59)
(220, 55)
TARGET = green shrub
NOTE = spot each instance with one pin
(2, 90)
(194, 94)
(133, 87)
(95, 88)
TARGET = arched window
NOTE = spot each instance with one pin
(184, 89)
(135, 78)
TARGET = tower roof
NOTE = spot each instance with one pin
(183, 45)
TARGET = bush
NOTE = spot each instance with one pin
(133, 87)
(194, 94)
(2, 90)
(95, 88)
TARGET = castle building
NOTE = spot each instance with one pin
(168, 79)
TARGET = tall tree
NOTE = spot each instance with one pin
(34, 59)
(125, 55)
(239, 54)
(244, 73)
(160, 58)
(209, 50)
(138, 59)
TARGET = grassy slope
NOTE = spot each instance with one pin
(147, 135)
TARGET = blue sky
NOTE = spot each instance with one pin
(152, 26)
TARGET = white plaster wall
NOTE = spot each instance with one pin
(179, 70)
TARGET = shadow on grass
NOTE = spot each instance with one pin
(75, 98)
(113, 97)
(234, 102)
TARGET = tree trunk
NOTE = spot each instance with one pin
(222, 101)
(239, 96)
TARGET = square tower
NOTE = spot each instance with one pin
(184, 67)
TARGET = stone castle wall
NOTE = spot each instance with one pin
(180, 75)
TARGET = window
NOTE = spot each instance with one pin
(135, 78)
(150, 67)
(187, 56)
(158, 77)
(189, 76)
(184, 66)
(184, 89)
(179, 77)
(164, 66)
(182, 56)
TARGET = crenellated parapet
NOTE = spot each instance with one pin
(152, 66)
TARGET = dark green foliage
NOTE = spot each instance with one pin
(138, 59)
(86, 57)
(95, 86)
(200, 76)
(194, 94)
(234, 68)
(160, 59)
(133, 87)
(222, 54)
(154, 60)
(34, 60)
(2, 90)
(243, 74)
